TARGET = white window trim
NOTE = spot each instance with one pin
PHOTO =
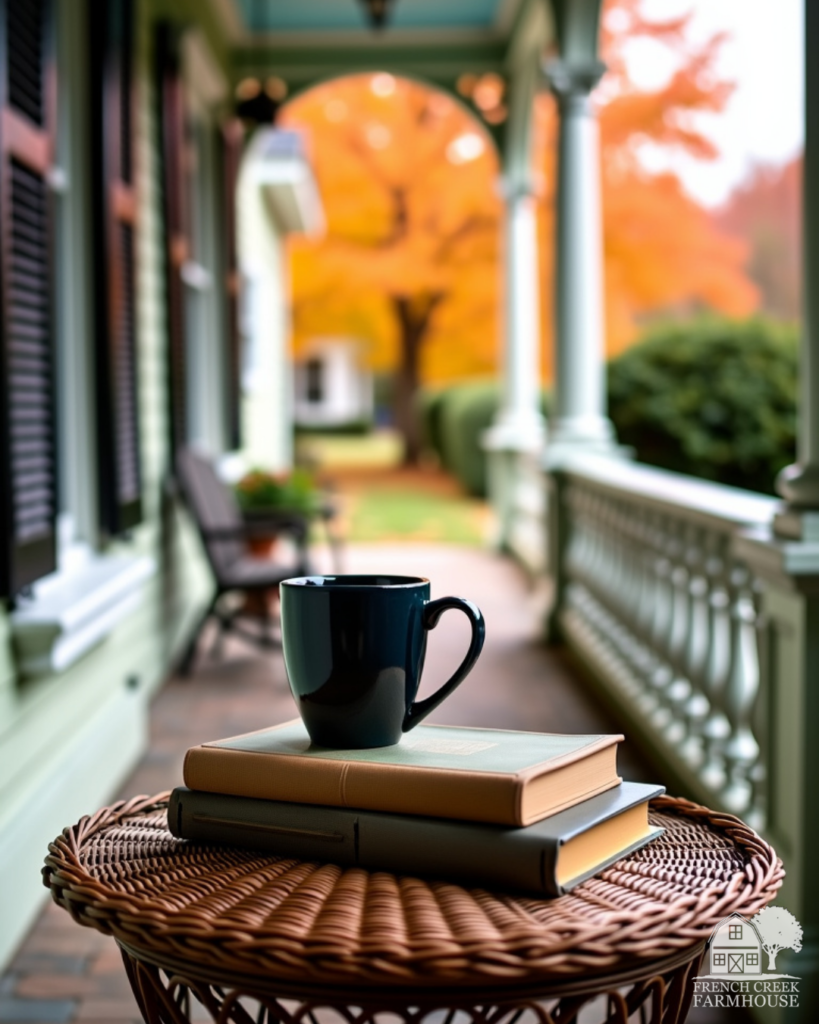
(72, 610)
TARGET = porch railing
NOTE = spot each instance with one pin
(652, 595)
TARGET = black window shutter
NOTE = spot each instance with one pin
(232, 143)
(28, 486)
(177, 247)
(112, 91)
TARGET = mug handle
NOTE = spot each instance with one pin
(432, 612)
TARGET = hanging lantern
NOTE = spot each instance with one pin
(377, 11)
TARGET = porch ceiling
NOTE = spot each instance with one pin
(315, 16)
(313, 40)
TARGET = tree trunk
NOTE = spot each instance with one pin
(772, 958)
(414, 316)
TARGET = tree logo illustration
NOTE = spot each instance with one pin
(778, 929)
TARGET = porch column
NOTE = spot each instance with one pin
(516, 437)
(579, 416)
(519, 424)
(799, 484)
(514, 443)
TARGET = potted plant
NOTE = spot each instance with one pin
(265, 495)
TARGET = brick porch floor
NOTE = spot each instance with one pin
(65, 973)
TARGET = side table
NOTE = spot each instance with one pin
(258, 938)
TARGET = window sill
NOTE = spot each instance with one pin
(74, 609)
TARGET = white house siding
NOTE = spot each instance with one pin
(68, 740)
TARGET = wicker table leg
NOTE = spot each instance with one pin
(164, 997)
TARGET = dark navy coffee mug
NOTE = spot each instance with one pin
(354, 650)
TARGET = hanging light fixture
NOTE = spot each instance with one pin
(377, 11)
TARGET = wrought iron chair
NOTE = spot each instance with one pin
(224, 535)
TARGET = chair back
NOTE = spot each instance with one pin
(213, 506)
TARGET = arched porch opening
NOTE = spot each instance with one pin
(408, 261)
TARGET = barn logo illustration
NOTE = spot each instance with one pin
(740, 961)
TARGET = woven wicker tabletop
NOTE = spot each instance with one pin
(123, 873)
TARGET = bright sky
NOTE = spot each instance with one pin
(763, 121)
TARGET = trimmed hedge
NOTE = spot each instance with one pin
(715, 399)
(453, 419)
(466, 412)
(429, 404)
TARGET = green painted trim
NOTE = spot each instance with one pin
(306, 66)
(91, 767)
(195, 14)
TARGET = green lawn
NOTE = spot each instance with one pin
(413, 513)
(381, 501)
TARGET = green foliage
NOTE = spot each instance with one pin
(410, 511)
(714, 399)
(260, 490)
(467, 411)
(430, 403)
(453, 420)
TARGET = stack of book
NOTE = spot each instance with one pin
(530, 812)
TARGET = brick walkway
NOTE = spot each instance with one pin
(65, 973)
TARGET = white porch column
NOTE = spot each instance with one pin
(515, 440)
(799, 484)
(519, 424)
(579, 415)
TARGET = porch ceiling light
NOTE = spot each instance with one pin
(377, 11)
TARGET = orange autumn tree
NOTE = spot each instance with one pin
(664, 253)
(766, 211)
(409, 258)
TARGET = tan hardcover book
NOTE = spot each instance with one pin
(491, 775)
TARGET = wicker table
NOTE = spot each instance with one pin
(257, 938)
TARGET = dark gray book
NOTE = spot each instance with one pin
(545, 859)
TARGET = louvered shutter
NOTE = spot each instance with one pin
(232, 141)
(28, 488)
(120, 478)
(177, 247)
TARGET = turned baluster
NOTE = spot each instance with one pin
(648, 556)
(695, 709)
(598, 567)
(612, 576)
(643, 556)
(625, 602)
(741, 747)
(664, 621)
(622, 592)
(631, 532)
(757, 815)
(577, 552)
(595, 559)
(716, 729)
(678, 688)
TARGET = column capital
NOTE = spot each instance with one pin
(511, 190)
(570, 79)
